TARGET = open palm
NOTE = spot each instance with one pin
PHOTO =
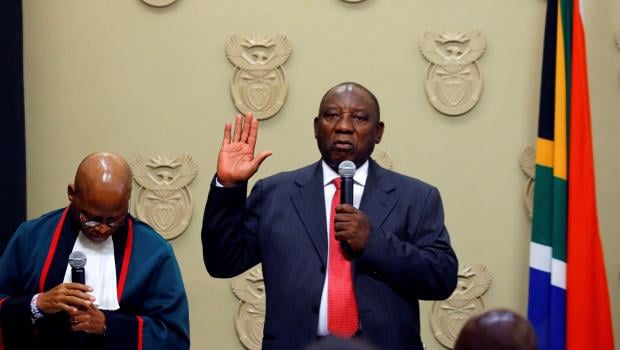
(236, 162)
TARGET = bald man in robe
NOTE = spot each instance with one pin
(133, 296)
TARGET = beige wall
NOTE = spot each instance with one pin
(121, 76)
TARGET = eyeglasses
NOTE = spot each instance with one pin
(111, 223)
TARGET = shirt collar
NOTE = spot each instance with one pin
(360, 176)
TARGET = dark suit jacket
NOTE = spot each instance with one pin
(282, 225)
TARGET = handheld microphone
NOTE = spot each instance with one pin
(77, 260)
(346, 170)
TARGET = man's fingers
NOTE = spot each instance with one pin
(78, 286)
(226, 139)
(343, 236)
(253, 132)
(237, 132)
(80, 293)
(258, 160)
(74, 301)
(247, 125)
(342, 227)
(346, 209)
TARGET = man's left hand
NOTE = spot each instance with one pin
(90, 320)
(352, 227)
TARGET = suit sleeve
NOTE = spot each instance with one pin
(229, 230)
(424, 265)
(163, 321)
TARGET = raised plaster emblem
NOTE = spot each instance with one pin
(453, 79)
(449, 316)
(249, 288)
(527, 161)
(382, 157)
(159, 3)
(353, 1)
(164, 200)
(259, 84)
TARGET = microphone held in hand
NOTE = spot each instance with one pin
(77, 260)
(346, 170)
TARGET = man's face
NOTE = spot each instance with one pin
(99, 214)
(348, 126)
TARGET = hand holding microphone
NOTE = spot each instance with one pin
(351, 225)
(68, 297)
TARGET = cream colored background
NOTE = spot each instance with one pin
(125, 77)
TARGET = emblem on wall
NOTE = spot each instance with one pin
(449, 316)
(163, 199)
(259, 84)
(159, 3)
(527, 161)
(249, 288)
(453, 79)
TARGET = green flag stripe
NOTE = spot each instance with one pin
(549, 217)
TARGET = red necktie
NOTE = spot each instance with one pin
(342, 317)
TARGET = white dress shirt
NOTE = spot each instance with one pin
(359, 181)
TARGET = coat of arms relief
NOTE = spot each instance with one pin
(249, 288)
(453, 79)
(163, 199)
(259, 84)
(449, 316)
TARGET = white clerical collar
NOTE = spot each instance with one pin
(100, 270)
(329, 174)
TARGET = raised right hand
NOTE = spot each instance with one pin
(236, 162)
(66, 297)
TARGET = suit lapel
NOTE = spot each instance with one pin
(377, 202)
(309, 204)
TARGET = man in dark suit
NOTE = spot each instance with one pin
(397, 247)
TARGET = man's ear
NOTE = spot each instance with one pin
(71, 192)
(379, 135)
(316, 127)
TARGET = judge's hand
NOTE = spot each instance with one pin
(236, 162)
(66, 297)
(89, 320)
(352, 227)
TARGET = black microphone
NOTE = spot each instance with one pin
(77, 260)
(346, 169)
